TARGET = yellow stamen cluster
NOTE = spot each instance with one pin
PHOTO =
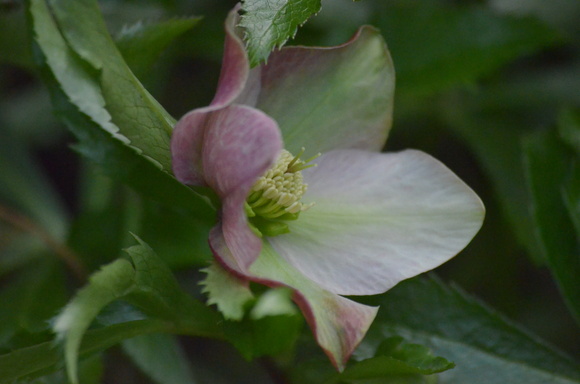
(279, 190)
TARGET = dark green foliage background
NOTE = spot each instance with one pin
(490, 88)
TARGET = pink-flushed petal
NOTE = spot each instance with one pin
(339, 324)
(224, 147)
(186, 143)
(331, 98)
(240, 143)
(232, 242)
(378, 219)
(235, 64)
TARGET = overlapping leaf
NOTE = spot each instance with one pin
(269, 24)
(143, 281)
(484, 346)
(119, 124)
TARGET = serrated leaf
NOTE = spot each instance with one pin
(142, 44)
(145, 282)
(395, 361)
(92, 126)
(550, 170)
(485, 347)
(140, 118)
(226, 291)
(168, 367)
(436, 47)
(269, 24)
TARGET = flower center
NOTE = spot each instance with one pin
(275, 197)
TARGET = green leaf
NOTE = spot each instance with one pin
(552, 179)
(395, 361)
(226, 291)
(161, 357)
(271, 328)
(270, 335)
(142, 44)
(132, 109)
(81, 105)
(40, 359)
(143, 281)
(436, 47)
(485, 347)
(270, 24)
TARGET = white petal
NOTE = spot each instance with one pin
(378, 219)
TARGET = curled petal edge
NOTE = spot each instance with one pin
(338, 324)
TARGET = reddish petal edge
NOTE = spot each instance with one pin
(186, 147)
(338, 325)
(235, 64)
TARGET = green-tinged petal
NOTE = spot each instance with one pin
(378, 219)
(338, 324)
(331, 98)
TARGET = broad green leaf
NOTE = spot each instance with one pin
(40, 359)
(549, 167)
(139, 117)
(142, 44)
(485, 347)
(143, 281)
(161, 357)
(436, 47)
(269, 24)
(99, 138)
(395, 361)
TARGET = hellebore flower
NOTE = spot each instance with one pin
(359, 221)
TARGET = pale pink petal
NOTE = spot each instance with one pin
(378, 219)
(339, 324)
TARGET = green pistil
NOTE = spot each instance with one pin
(275, 197)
